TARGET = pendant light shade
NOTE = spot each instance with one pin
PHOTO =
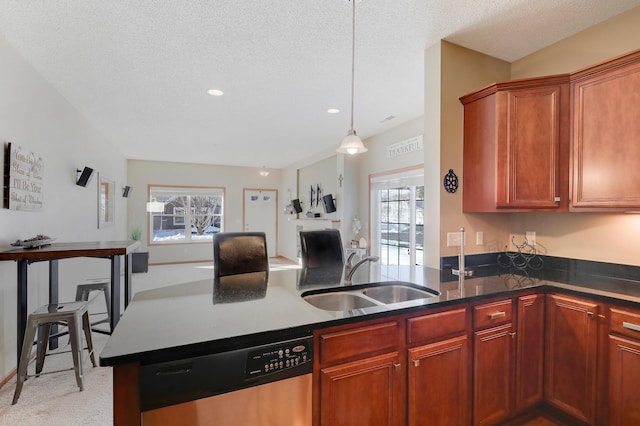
(352, 144)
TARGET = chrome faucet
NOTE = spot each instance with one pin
(462, 271)
(349, 269)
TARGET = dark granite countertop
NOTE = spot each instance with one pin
(205, 317)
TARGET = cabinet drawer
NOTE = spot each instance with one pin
(625, 323)
(358, 342)
(433, 326)
(491, 314)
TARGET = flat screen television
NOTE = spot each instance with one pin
(329, 205)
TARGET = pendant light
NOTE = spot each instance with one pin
(352, 144)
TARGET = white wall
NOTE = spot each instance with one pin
(233, 179)
(36, 117)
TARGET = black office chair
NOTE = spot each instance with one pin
(239, 253)
(321, 249)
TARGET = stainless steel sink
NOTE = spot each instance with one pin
(367, 295)
(338, 301)
(395, 293)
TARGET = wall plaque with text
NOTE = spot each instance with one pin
(24, 174)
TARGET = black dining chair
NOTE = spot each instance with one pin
(321, 249)
(239, 253)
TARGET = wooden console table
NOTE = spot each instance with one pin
(112, 250)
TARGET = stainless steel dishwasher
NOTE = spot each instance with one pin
(260, 385)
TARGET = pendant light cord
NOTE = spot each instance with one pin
(353, 58)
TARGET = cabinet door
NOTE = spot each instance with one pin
(605, 148)
(571, 356)
(529, 137)
(492, 374)
(529, 352)
(624, 376)
(516, 146)
(365, 392)
(438, 376)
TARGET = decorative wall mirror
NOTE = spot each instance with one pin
(106, 201)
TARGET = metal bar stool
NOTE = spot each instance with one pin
(96, 284)
(76, 317)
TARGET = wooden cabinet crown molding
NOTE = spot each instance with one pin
(605, 66)
(523, 83)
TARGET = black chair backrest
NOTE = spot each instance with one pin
(239, 253)
(321, 249)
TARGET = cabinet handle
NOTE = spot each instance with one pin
(496, 315)
(416, 362)
(631, 326)
(513, 335)
(396, 366)
(590, 314)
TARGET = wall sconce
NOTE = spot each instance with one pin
(154, 206)
(264, 172)
(125, 191)
(83, 176)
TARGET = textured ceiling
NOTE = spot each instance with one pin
(139, 70)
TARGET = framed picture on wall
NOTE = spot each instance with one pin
(106, 201)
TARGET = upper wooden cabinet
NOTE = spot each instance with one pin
(605, 135)
(516, 148)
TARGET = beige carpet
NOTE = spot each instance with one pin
(55, 399)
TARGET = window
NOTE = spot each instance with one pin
(191, 214)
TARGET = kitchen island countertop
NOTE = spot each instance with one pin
(204, 317)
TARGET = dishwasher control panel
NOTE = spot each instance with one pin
(278, 357)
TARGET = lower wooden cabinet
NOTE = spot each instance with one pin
(483, 364)
(624, 367)
(360, 374)
(364, 392)
(439, 383)
(493, 362)
(508, 358)
(424, 380)
(571, 356)
(624, 377)
(529, 376)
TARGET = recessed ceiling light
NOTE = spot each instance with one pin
(215, 92)
(333, 110)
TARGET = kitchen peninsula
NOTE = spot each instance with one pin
(164, 330)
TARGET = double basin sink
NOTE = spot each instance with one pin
(367, 295)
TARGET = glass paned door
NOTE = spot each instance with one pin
(400, 230)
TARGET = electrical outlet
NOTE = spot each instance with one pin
(453, 239)
(531, 238)
(479, 238)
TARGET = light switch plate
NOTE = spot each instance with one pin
(531, 238)
(453, 239)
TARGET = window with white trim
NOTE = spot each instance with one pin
(190, 214)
